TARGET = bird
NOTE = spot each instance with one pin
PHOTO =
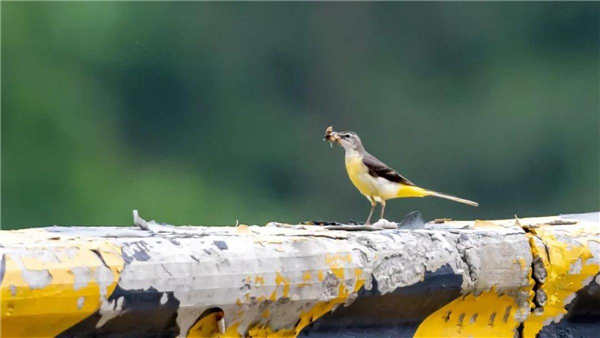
(374, 179)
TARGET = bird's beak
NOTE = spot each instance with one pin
(331, 136)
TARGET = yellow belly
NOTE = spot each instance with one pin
(378, 187)
(367, 184)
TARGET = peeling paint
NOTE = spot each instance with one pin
(36, 279)
(275, 281)
(110, 310)
(13, 289)
(83, 275)
(285, 282)
(48, 281)
(564, 253)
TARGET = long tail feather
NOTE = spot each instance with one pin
(452, 198)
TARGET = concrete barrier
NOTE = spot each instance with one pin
(534, 277)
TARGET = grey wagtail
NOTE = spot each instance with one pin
(373, 178)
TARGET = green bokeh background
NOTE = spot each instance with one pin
(208, 113)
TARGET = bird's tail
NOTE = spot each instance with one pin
(414, 191)
(452, 198)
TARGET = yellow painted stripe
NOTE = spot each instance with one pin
(490, 314)
(56, 306)
(569, 269)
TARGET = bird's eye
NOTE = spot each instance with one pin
(346, 135)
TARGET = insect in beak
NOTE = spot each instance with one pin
(331, 136)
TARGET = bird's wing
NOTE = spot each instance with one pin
(380, 169)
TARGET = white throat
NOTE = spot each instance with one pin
(352, 153)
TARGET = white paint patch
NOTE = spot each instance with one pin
(405, 257)
(68, 253)
(221, 325)
(83, 275)
(587, 281)
(164, 298)
(110, 310)
(104, 277)
(36, 279)
(570, 298)
(254, 266)
(80, 302)
(576, 267)
(595, 251)
(559, 317)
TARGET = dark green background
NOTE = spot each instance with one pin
(208, 113)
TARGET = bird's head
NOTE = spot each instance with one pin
(347, 139)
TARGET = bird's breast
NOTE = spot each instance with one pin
(367, 184)
(359, 175)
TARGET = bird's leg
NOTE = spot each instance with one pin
(382, 207)
(373, 205)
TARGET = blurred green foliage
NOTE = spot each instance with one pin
(208, 113)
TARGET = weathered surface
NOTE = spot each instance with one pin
(482, 278)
